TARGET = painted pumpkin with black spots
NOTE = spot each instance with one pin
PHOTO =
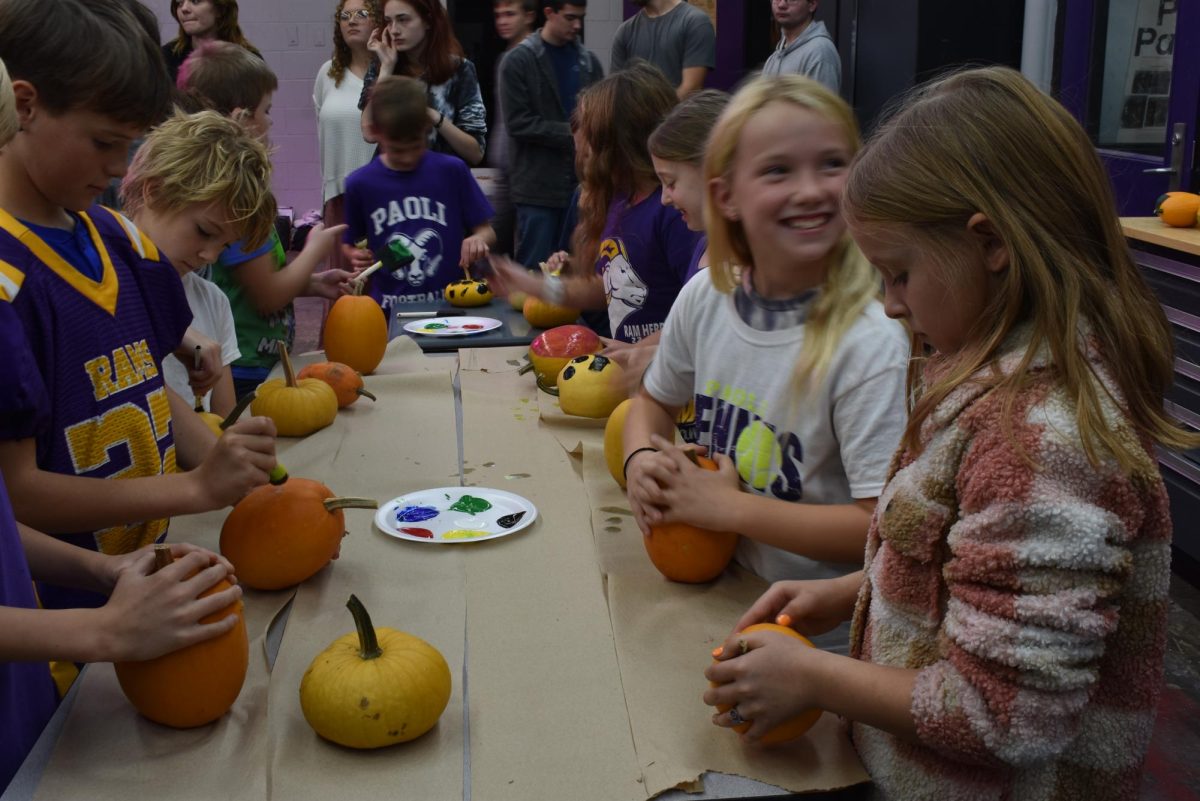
(467, 293)
(591, 386)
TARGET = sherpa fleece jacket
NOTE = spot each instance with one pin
(1033, 602)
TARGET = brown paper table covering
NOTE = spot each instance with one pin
(662, 632)
(547, 710)
(584, 666)
(263, 749)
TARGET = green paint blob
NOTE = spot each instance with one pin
(471, 505)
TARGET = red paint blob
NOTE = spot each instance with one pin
(472, 326)
(419, 532)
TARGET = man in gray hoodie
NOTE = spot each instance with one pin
(805, 46)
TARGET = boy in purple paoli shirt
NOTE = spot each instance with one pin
(428, 201)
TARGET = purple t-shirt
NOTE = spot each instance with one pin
(27, 694)
(97, 347)
(430, 209)
(644, 255)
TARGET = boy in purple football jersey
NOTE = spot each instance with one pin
(428, 201)
(99, 305)
(147, 615)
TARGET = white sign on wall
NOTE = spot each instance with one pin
(1148, 75)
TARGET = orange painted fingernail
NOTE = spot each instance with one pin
(720, 649)
(784, 620)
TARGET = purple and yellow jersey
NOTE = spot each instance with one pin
(98, 346)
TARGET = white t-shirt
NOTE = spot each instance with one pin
(339, 130)
(832, 447)
(212, 317)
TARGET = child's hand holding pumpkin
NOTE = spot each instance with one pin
(767, 678)
(810, 607)
(691, 494)
(153, 613)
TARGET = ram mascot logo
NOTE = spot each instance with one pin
(426, 248)
(623, 287)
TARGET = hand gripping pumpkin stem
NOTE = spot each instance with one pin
(368, 643)
(162, 556)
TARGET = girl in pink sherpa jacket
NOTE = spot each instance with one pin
(1010, 620)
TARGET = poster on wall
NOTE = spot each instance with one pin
(709, 7)
(1148, 76)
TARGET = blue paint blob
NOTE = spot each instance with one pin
(416, 514)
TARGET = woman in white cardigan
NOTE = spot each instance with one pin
(335, 96)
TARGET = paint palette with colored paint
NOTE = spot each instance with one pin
(452, 515)
(452, 326)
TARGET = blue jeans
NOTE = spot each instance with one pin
(538, 229)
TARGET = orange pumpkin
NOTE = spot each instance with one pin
(194, 685)
(356, 333)
(789, 729)
(347, 384)
(541, 314)
(278, 536)
(687, 553)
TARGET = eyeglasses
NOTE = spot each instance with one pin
(346, 16)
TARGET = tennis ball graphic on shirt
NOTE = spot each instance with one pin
(758, 455)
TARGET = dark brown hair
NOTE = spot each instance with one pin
(442, 51)
(97, 56)
(228, 29)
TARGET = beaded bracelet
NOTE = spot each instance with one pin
(625, 467)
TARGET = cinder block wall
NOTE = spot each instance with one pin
(294, 37)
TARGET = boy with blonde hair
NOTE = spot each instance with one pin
(199, 183)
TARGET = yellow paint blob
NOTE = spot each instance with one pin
(463, 534)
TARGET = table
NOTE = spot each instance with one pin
(514, 328)
(576, 667)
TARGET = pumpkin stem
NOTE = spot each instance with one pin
(162, 556)
(525, 368)
(366, 394)
(368, 643)
(350, 503)
(288, 372)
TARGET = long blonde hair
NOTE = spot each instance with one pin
(987, 140)
(850, 283)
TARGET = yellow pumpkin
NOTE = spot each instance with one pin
(194, 685)
(297, 407)
(789, 729)
(467, 293)
(356, 333)
(541, 314)
(374, 687)
(213, 421)
(517, 300)
(590, 386)
(614, 446)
